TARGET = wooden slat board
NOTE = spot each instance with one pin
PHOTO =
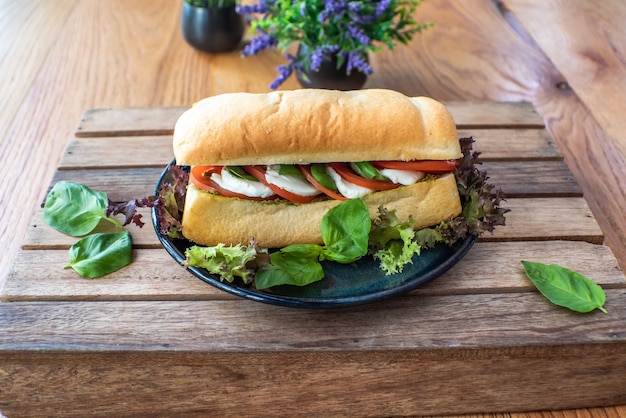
(550, 222)
(479, 338)
(156, 276)
(495, 144)
(160, 121)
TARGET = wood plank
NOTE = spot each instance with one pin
(99, 152)
(572, 215)
(38, 275)
(513, 144)
(567, 218)
(129, 121)
(349, 383)
(23, 54)
(586, 122)
(579, 42)
(589, 149)
(117, 152)
(120, 185)
(479, 321)
(489, 114)
(161, 120)
(515, 178)
(29, 30)
(532, 178)
(470, 53)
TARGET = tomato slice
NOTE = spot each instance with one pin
(206, 170)
(347, 174)
(259, 174)
(199, 178)
(428, 166)
(306, 172)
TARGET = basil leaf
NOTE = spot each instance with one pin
(295, 265)
(345, 231)
(565, 287)
(99, 254)
(75, 209)
(367, 170)
(239, 172)
(322, 177)
(289, 170)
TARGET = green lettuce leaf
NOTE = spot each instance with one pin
(391, 241)
(394, 243)
(228, 262)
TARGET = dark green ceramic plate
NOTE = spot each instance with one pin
(343, 285)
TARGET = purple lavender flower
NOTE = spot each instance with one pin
(263, 6)
(349, 29)
(317, 57)
(357, 61)
(355, 6)
(381, 7)
(358, 34)
(334, 9)
(259, 43)
(284, 71)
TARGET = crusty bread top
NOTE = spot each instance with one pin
(310, 125)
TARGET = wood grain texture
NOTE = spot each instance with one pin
(161, 121)
(591, 59)
(585, 117)
(63, 57)
(301, 385)
(154, 276)
(588, 149)
(229, 355)
(117, 152)
(238, 325)
(517, 178)
(493, 144)
(552, 219)
(23, 54)
(29, 31)
(471, 52)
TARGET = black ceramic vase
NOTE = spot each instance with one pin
(328, 76)
(212, 29)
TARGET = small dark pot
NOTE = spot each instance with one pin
(330, 77)
(212, 30)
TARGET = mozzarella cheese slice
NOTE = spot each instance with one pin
(291, 183)
(404, 177)
(246, 187)
(349, 190)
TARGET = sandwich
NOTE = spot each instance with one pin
(270, 166)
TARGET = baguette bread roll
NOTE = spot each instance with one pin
(311, 126)
(209, 219)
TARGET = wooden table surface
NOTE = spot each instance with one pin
(61, 58)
